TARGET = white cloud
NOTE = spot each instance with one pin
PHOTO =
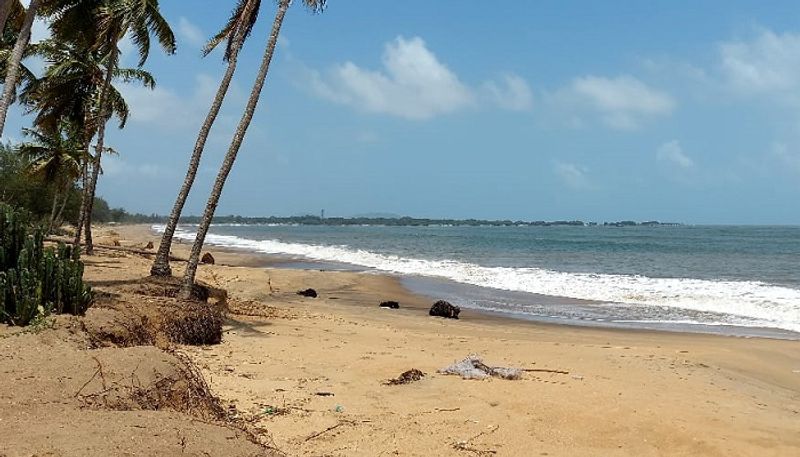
(573, 176)
(413, 83)
(623, 102)
(190, 32)
(665, 67)
(769, 63)
(511, 93)
(672, 152)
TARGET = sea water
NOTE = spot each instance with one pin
(741, 280)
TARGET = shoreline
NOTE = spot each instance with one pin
(415, 305)
(311, 374)
(435, 288)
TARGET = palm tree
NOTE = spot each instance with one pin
(55, 157)
(68, 92)
(12, 69)
(235, 32)
(211, 206)
(117, 18)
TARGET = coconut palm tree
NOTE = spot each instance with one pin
(117, 18)
(191, 267)
(12, 69)
(235, 32)
(68, 92)
(55, 157)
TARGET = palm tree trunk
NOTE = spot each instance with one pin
(89, 194)
(5, 11)
(53, 211)
(12, 71)
(82, 211)
(161, 264)
(67, 185)
(230, 157)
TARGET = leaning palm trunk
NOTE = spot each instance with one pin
(161, 264)
(230, 157)
(12, 70)
(91, 188)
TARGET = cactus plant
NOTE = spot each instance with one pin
(35, 280)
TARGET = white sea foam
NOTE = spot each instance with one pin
(748, 302)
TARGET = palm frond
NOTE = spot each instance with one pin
(128, 75)
(241, 21)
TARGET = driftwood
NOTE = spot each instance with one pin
(117, 248)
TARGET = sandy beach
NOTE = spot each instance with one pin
(309, 374)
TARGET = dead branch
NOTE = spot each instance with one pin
(544, 370)
(87, 382)
(332, 427)
(464, 445)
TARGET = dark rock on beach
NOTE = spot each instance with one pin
(444, 309)
(311, 293)
(390, 304)
(207, 259)
(407, 377)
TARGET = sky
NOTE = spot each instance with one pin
(685, 111)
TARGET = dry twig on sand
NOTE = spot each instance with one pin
(332, 427)
(544, 370)
(465, 446)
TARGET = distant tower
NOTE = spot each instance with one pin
(322, 214)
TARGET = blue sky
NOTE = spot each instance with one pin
(672, 110)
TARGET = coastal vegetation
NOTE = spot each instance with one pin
(36, 280)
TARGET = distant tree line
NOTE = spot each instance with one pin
(21, 186)
(120, 215)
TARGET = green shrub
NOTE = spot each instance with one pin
(36, 281)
